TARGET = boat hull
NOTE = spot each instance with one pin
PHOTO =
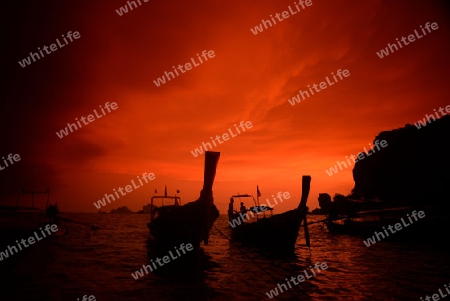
(183, 224)
(276, 234)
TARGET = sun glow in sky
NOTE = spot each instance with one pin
(251, 77)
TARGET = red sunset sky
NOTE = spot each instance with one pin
(250, 78)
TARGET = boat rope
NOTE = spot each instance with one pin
(246, 256)
(307, 239)
(324, 221)
(93, 227)
(251, 260)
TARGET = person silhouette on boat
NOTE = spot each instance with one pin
(243, 210)
(231, 210)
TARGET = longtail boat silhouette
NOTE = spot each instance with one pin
(277, 233)
(21, 220)
(173, 225)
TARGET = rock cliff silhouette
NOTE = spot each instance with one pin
(414, 169)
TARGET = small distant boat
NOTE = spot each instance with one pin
(277, 233)
(175, 224)
(18, 221)
(367, 222)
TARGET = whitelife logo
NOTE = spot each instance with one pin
(423, 123)
(436, 297)
(166, 259)
(225, 137)
(360, 156)
(86, 298)
(371, 240)
(128, 188)
(90, 118)
(10, 157)
(162, 80)
(27, 61)
(124, 9)
(411, 38)
(297, 280)
(31, 240)
(243, 216)
(284, 15)
(323, 85)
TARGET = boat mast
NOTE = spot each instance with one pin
(257, 196)
(32, 196)
(306, 185)
(206, 195)
(211, 160)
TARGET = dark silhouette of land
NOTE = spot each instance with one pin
(412, 170)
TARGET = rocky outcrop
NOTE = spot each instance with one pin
(324, 202)
(121, 210)
(414, 169)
